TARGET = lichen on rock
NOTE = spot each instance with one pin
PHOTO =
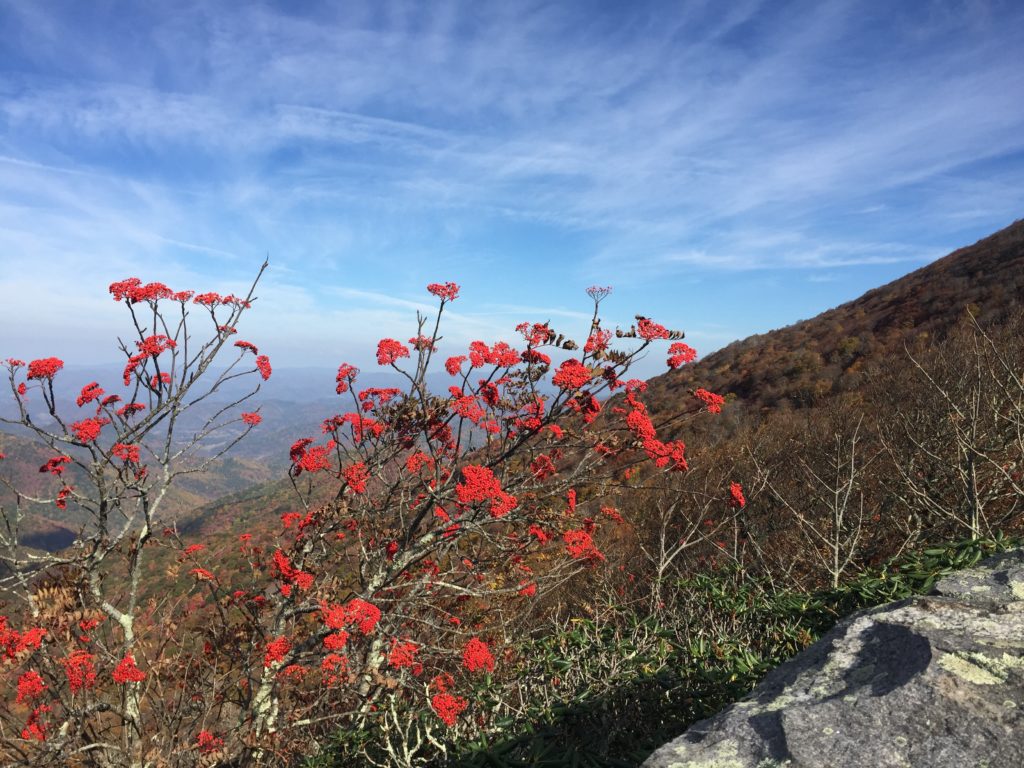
(930, 682)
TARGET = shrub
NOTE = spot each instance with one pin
(391, 612)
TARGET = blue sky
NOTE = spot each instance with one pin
(728, 167)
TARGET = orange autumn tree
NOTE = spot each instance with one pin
(449, 514)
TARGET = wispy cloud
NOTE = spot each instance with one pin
(525, 148)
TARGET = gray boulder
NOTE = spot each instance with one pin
(930, 682)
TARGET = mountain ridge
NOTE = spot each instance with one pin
(806, 360)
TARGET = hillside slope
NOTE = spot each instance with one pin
(802, 363)
(44, 526)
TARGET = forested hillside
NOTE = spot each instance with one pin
(515, 572)
(805, 362)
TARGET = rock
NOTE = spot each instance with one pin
(930, 682)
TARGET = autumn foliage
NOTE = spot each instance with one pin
(390, 610)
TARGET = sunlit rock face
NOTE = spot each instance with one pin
(929, 682)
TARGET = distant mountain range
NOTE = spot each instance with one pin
(293, 403)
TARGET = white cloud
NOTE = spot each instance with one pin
(352, 142)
